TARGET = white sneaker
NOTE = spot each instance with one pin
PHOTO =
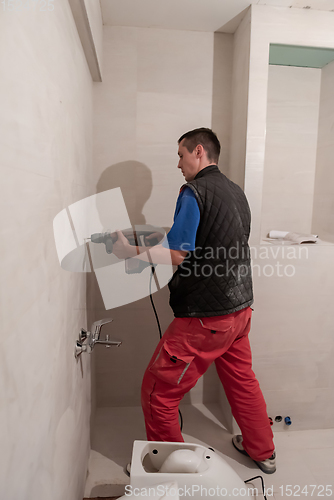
(268, 466)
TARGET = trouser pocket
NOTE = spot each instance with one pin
(170, 365)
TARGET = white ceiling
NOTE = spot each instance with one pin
(193, 15)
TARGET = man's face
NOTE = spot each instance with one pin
(188, 162)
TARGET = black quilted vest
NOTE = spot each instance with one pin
(216, 278)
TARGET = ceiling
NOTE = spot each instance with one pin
(192, 15)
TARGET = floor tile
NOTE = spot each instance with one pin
(304, 458)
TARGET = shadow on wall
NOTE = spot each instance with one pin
(117, 374)
(133, 323)
(127, 175)
(135, 180)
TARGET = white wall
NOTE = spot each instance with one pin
(291, 149)
(46, 146)
(157, 85)
(292, 332)
(240, 84)
(323, 210)
(221, 95)
(273, 25)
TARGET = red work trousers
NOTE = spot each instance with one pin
(184, 353)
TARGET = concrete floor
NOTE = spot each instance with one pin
(303, 457)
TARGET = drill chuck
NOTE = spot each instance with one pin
(103, 238)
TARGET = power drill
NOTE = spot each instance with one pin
(136, 237)
(105, 238)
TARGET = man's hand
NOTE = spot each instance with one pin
(122, 248)
(156, 254)
(153, 238)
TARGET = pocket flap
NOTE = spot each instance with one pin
(215, 324)
(175, 354)
(170, 365)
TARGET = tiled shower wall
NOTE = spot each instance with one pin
(46, 147)
(150, 96)
(291, 148)
(323, 210)
(292, 330)
(157, 85)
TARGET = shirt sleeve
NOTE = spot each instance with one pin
(182, 235)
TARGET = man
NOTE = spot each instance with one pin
(210, 294)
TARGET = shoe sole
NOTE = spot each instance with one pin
(260, 466)
(264, 470)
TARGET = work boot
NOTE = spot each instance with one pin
(268, 466)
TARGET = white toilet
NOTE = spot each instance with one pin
(198, 472)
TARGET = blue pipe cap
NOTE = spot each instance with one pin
(287, 420)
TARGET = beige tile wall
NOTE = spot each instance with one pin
(139, 114)
(292, 332)
(46, 161)
(323, 214)
(240, 86)
(291, 147)
(293, 319)
(157, 85)
(273, 25)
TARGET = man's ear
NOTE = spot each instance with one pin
(199, 151)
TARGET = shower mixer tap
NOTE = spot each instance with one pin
(93, 337)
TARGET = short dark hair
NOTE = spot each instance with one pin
(204, 136)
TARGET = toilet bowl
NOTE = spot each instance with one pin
(198, 471)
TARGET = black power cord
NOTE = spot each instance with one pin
(262, 482)
(159, 327)
(151, 299)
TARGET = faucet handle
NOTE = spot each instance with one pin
(101, 322)
(83, 335)
(79, 349)
(96, 327)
